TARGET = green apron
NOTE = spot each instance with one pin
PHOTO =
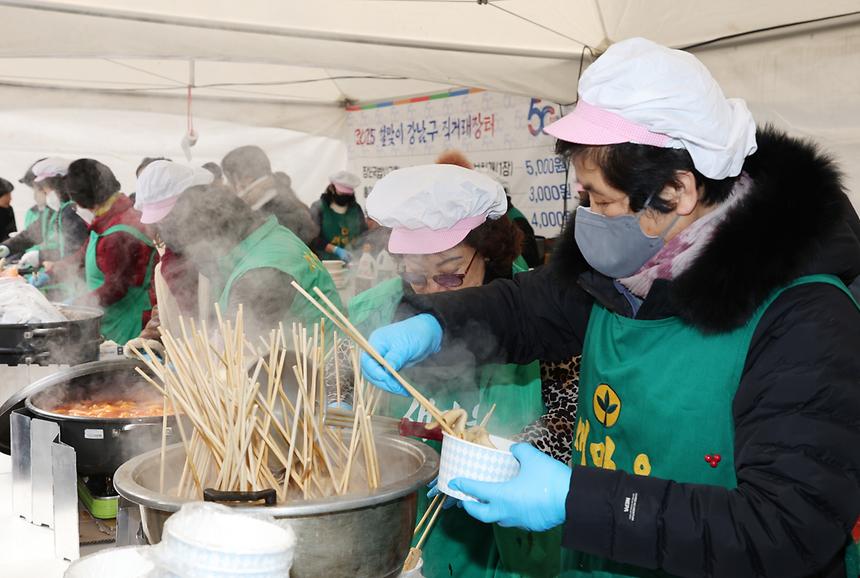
(637, 376)
(31, 215)
(514, 214)
(45, 217)
(56, 240)
(459, 545)
(276, 247)
(122, 320)
(339, 230)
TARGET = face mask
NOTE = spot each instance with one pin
(53, 202)
(342, 200)
(616, 246)
(39, 197)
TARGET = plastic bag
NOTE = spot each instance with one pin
(22, 303)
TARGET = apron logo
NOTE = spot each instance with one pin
(607, 405)
(312, 261)
(713, 460)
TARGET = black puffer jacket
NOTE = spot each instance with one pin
(797, 408)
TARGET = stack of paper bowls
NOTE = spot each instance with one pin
(338, 271)
(212, 541)
(126, 562)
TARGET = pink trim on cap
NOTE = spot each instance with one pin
(46, 176)
(343, 190)
(154, 212)
(426, 241)
(591, 125)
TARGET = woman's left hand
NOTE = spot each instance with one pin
(534, 500)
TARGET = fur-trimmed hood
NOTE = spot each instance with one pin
(795, 221)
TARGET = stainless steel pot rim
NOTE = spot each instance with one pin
(128, 488)
(92, 313)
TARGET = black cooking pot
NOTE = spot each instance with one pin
(101, 444)
(70, 342)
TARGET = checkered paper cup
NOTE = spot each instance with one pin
(462, 459)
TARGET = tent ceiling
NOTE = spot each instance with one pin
(331, 51)
(295, 63)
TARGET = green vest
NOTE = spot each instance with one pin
(640, 375)
(31, 215)
(45, 217)
(459, 545)
(122, 320)
(339, 230)
(276, 247)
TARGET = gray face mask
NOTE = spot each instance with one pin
(616, 246)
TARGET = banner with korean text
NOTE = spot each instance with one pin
(500, 132)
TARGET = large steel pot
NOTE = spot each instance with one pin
(361, 534)
(62, 342)
(101, 444)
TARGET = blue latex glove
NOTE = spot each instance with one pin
(534, 500)
(342, 254)
(402, 344)
(434, 491)
(39, 279)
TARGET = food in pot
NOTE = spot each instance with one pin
(120, 408)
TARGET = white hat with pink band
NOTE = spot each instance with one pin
(643, 93)
(432, 208)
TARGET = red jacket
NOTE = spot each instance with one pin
(181, 277)
(122, 258)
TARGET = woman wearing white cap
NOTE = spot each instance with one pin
(449, 229)
(339, 217)
(58, 230)
(176, 280)
(718, 431)
(249, 258)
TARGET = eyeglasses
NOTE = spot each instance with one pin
(446, 280)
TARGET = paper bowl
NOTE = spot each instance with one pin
(125, 562)
(209, 539)
(462, 459)
(333, 265)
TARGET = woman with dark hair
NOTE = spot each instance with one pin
(249, 257)
(339, 216)
(705, 286)
(58, 230)
(450, 233)
(7, 213)
(119, 256)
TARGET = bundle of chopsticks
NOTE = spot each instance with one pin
(241, 432)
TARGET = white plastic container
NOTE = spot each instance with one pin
(210, 540)
(125, 562)
(462, 459)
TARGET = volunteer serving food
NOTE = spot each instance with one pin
(706, 289)
(450, 232)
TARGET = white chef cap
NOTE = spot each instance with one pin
(431, 208)
(160, 184)
(644, 93)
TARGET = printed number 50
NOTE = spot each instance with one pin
(540, 113)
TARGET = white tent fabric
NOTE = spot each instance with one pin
(295, 64)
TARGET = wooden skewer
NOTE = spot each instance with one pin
(341, 321)
(415, 553)
(427, 512)
(487, 417)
